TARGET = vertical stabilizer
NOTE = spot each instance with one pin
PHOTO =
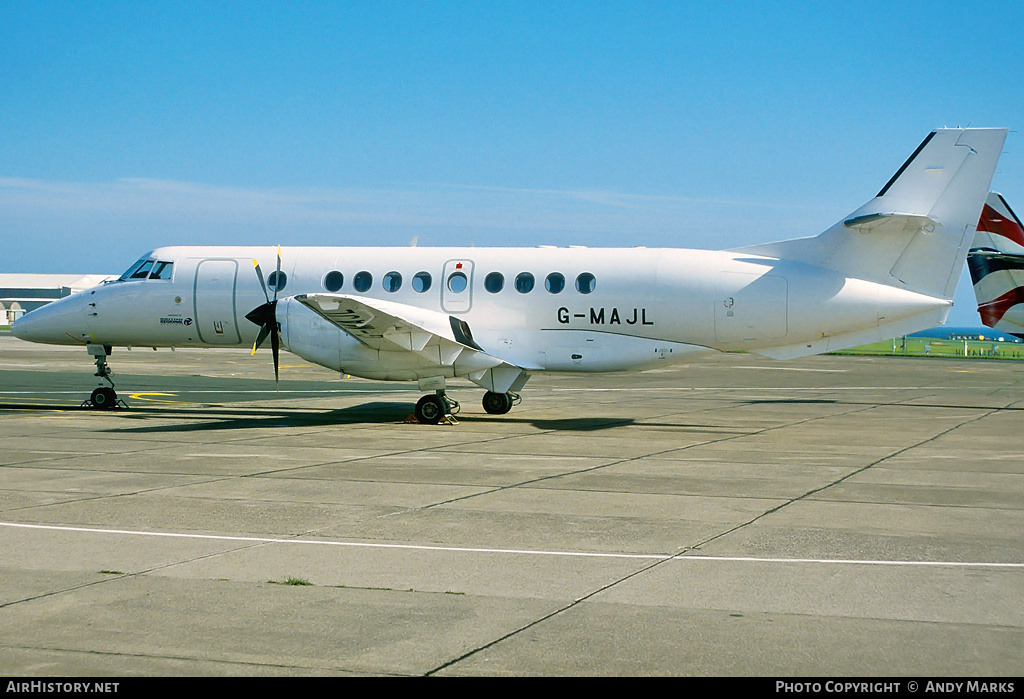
(996, 262)
(915, 233)
(999, 229)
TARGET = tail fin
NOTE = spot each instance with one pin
(999, 229)
(915, 233)
(996, 262)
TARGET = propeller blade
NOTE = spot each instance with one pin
(259, 275)
(264, 331)
(277, 277)
(265, 316)
(275, 349)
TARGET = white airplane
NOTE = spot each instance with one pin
(496, 316)
(996, 261)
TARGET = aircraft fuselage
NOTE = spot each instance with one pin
(561, 309)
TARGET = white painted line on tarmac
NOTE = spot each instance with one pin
(520, 552)
(726, 389)
(791, 368)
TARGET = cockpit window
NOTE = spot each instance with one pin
(148, 268)
(143, 271)
(162, 270)
(129, 274)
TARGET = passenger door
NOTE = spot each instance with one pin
(214, 295)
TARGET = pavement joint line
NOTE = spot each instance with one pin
(681, 556)
(649, 455)
(853, 473)
(187, 658)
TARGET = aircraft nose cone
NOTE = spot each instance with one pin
(20, 329)
(26, 327)
(54, 323)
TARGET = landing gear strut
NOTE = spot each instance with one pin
(500, 403)
(104, 397)
(430, 410)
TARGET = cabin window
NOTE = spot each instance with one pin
(421, 282)
(585, 283)
(362, 281)
(554, 283)
(162, 270)
(457, 282)
(494, 282)
(333, 281)
(524, 282)
(392, 281)
(277, 281)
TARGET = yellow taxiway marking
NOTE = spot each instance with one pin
(145, 396)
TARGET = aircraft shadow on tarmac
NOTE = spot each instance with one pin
(380, 412)
(212, 418)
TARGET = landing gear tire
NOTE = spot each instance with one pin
(498, 403)
(430, 409)
(103, 398)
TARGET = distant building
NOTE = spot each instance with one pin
(993, 335)
(21, 293)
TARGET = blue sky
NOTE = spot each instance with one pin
(126, 126)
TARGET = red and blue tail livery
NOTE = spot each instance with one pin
(996, 261)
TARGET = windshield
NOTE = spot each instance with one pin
(129, 274)
(148, 268)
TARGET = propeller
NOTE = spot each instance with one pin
(265, 316)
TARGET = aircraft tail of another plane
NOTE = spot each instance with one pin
(996, 261)
(915, 233)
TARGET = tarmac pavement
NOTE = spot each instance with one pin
(734, 516)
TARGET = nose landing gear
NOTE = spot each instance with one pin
(104, 397)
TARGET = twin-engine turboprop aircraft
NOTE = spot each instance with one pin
(996, 261)
(497, 315)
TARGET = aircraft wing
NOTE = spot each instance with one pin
(437, 339)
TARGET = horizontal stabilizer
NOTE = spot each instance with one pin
(874, 221)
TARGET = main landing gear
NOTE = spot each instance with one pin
(500, 403)
(431, 409)
(104, 397)
(437, 407)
